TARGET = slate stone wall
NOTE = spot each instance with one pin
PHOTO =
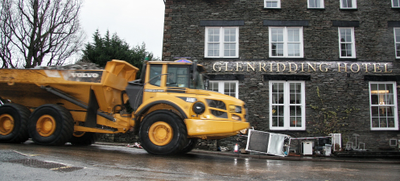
(345, 93)
(183, 30)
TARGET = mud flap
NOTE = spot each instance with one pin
(91, 115)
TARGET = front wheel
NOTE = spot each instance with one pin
(51, 124)
(191, 143)
(163, 133)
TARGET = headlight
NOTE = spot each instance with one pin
(199, 108)
(235, 109)
(235, 117)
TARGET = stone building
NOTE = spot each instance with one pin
(303, 67)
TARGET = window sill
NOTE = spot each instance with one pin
(316, 8)
(286, 58)
(273, 8)
(349, 9)
(384, 129)
(347, 58)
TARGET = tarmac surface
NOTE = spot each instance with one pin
(390, 159)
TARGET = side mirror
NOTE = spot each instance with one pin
(143, 73)
(194, 71)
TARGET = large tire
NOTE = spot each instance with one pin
(13, 123)
(189, 146)
(51, 124)
(163, 133)
(83, 138)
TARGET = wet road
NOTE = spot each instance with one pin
(99, 162)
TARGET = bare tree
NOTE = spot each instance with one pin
(39, 30)
(5, 36)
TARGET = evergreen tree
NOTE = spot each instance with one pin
(106, 48)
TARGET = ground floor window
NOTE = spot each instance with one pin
(230, 88)
(383, 105)
(287, 105)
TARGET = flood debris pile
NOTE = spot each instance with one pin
(77, 66)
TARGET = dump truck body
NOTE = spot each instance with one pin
(168, 112)
(73, 89)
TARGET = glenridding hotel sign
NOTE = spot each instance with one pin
(302, 67)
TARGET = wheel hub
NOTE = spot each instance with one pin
(46, 125)
(6, 124)
(160, 133)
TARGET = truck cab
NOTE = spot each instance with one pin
(176, 90)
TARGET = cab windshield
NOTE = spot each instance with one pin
(183, 76)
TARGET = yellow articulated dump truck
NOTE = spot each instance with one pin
(168, 107)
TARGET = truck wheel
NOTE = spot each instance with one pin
(83, 138)
(13, 123)
(189, 146)
(163, 133)
(51, 124)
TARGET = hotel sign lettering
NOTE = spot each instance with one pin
(301, 67)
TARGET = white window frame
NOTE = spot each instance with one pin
(344, 6)
(352, 42)
(221, 87)
(278, 4)
(393, 104)
(286, 103)
(396, 32)
(321, 2)
(395, 3)
(221, 42)
(285, 42)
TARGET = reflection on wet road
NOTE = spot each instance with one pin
(102, 162)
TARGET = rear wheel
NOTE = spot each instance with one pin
(83, 138)
(51, 124)
(163, 133)
(13, 123)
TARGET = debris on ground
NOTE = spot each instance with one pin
(135, 145)
(223, 148)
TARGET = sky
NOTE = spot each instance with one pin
(135, 21)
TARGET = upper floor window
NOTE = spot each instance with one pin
(395, 3)
(221, 42)
(286, 42)
(287, 105)
(347, 47)
(348, 4)
(315, 4)
(397, 41)
(230, 88)
(272, 3)
(383, 104)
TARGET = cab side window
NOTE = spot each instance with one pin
(155, 75)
